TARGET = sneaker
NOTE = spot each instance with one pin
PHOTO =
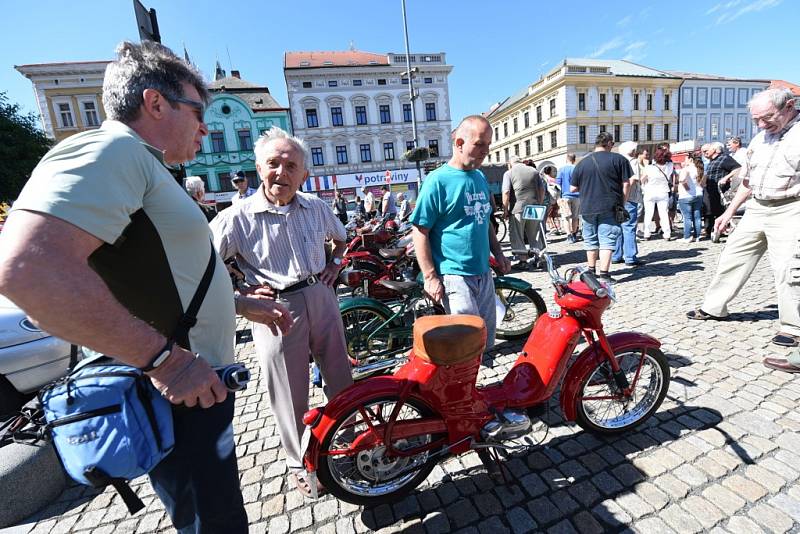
(634, 263)
(618, 261)
(605, 279)
(571, 238)
(640, 234)
(688, 240)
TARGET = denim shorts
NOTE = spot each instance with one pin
(600, 231)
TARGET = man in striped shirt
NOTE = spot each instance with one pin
(278, 237)
(771, 182)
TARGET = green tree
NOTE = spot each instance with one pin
(22, 145)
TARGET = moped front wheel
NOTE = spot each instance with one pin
(604, 409)
(370, 475)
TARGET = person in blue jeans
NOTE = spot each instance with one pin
(691, 180)
(626, 248)
(602, 178)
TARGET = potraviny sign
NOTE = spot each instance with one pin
(360, 179)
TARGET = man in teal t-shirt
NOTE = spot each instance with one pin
(453, 234)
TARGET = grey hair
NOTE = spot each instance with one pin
(274, 134)
(143, 66)
(717, 146)
(194, 184)
(777, 97)
(514, 159)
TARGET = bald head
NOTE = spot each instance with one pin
(471, 141)
(469, 126)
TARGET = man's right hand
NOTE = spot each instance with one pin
(722, 222)
(188, 379)
(434, 288)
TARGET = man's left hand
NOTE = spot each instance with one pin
(329, 274)
(266, 311)
(503, 263)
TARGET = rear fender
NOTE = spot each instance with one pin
(513, 283)
(590, 358)
(365, 302)
(376, 387)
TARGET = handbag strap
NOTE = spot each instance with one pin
(669, 184)
(189, 317)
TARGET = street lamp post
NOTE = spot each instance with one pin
(411, 93)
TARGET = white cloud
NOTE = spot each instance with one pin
(624, 21)
(614, 43)
(752, 7)
(635, 46)
(724, 5)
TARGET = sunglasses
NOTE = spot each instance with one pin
(198, 107)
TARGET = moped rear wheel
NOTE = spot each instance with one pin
(371, 476)
(603, 409)
(522, 309)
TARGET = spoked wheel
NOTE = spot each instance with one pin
(501, 226)
(354, 463)
(362, 332)
(603, 409)
(522, 308)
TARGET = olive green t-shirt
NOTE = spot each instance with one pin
(113, 185)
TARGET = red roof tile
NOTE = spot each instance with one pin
(782, 84)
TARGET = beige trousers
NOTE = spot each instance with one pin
(318, 331)
(766, 226)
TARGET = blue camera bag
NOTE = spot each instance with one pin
(108, 424)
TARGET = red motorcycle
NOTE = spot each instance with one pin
(380, 438)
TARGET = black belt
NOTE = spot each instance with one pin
(310, 281)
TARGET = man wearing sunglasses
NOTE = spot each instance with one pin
(105, 249)
(771, 179)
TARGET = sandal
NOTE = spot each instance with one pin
(700, 315)
(303, 484)
(786, 340)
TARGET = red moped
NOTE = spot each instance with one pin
(380, 438)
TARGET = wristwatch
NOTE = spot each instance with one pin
(336, 260)
(160, 357)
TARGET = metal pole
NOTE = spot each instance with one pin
(412, 97)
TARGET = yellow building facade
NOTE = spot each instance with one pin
(563, 112)
(68, 95)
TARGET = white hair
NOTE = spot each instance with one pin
(194, 184)
(777, 97)
(717, 146)
(628, 148)
(514, 159)
(274, 134)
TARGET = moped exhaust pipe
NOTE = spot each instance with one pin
(362, 371)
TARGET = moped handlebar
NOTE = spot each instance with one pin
(586, 276)
(591, 281)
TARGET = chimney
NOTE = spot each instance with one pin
(235, 74)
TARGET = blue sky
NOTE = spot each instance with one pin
(496, 47)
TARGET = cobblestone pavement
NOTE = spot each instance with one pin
(720, 455)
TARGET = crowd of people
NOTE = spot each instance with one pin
(138, 250)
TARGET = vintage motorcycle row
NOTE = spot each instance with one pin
(381, 297)
(380, 438)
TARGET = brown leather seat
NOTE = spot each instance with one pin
(449, 339)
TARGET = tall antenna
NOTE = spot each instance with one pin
(230, 63)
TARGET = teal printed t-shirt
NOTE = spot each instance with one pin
(456, 207)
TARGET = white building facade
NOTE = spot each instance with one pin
(563, 112)
(354, 111)
(714, 108)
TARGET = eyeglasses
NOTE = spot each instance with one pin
(770, 117)
(198, 107)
